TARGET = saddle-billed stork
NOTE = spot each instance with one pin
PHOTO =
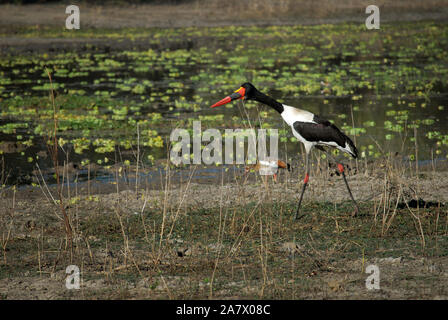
(308, 128)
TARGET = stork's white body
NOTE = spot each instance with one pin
(292, 115)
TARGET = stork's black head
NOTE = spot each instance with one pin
(250, 90)
(247, 91)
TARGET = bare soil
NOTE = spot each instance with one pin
(232, 241)
(222, 13)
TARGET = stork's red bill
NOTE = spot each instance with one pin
(238, 94)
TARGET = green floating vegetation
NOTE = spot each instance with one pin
(384, 86)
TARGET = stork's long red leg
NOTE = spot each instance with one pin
(305, 183)
(341, 170)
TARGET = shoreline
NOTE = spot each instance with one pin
(214, 14)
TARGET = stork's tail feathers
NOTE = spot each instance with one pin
(350, 148)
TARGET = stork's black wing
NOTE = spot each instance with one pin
(324, 131)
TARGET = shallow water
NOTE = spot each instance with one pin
(382, 89)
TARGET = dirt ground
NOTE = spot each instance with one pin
(218, 13)
(347, 281)
(212, 13)
(182, 264)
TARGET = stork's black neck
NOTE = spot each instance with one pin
(261, 97)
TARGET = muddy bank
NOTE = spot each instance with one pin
(168, 243)
(217, 13)
(345, 281)
(157, 245)
(237, 189)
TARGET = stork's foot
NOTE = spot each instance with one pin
(298, 217)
